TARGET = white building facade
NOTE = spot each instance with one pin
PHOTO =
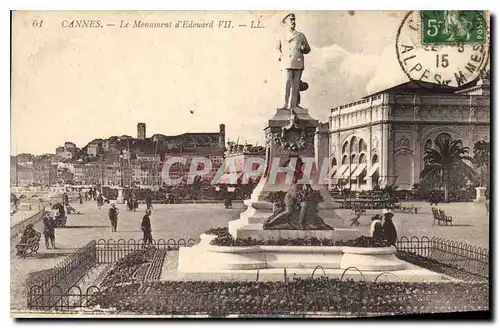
(381, 139)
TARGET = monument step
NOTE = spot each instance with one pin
(412, 273)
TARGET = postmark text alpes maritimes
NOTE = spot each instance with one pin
(459, 55)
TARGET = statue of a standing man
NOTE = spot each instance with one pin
(292, 46)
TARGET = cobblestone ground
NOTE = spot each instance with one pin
(168, 221)
(470, 224)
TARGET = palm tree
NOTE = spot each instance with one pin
(447, 163)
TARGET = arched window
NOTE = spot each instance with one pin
(428, 144)
(334, 162)
(362, 145)
(362, 158)
(345, 160)
(374, 159)
(354, 159)
(354, 145)
(344, 147)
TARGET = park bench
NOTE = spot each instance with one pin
(441, 218)
(30, 246)
(445, 219)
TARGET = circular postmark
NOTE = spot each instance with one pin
(447, 48)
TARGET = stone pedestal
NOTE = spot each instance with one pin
(258, 210)
(273, 263)
(480, 194)
(120, 199)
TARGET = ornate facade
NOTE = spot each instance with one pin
(381, 139)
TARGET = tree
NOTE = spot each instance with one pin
(389, 193)
(447, 163)
(482, 160)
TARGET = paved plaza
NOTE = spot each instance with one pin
(470, 224)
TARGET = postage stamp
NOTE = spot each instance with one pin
(452, 26)
(449, 48)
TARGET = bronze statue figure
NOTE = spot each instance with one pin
(300, 212)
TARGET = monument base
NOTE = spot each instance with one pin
(412, 273)
(208, 262)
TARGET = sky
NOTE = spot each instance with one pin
(78, 84)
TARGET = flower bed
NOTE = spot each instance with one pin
(219, 231)
(297, 296)
(363, 241)
(224, 238)
(129, 269)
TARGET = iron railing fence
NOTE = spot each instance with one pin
(110, 251)
(64, 275)
(459, 255)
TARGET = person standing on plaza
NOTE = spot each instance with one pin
(100, 201)
(146, 228)
(113, 217)
(389, 230)
(49, 231)
(149, 202)
(80, 197)
(292, 45)
(376, 229)
(65, 199)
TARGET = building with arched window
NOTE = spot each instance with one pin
(381, 139)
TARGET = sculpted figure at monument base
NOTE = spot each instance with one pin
(299, 212)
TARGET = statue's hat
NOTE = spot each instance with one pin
(290, 15)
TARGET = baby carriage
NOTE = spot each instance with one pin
(60, 215)
(29, 244)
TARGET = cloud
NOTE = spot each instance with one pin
(388, 73)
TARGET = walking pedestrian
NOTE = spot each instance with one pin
(80, 197)
(113, 217)
(65, 199)
(49, 231)
(146, 228)
(100, 201)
